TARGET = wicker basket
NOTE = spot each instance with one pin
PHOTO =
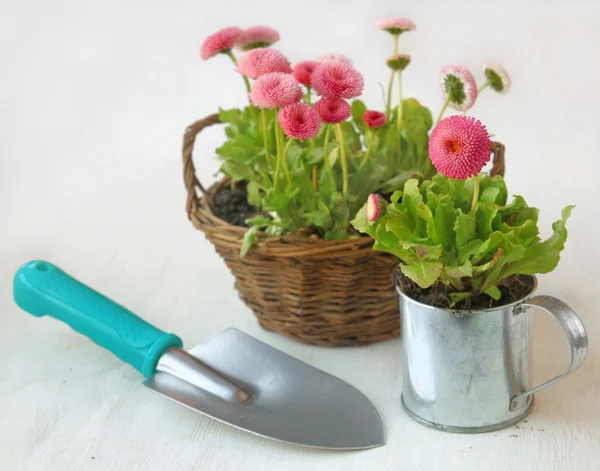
(311, 290)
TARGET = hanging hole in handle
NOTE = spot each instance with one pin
(42, 266)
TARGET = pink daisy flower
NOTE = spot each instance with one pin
(459, 147)
(333, 110)
(275, 90)
(299, 120)
(396, 25)
(334, 57)
(303, 71)
(497, 77)
(220, 42)
(260, 61)
(398, 61)
(458, 84)
(375, 207)
(338, 80)
(374, 119)
(256, 36)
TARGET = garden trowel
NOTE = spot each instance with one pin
(233, 377)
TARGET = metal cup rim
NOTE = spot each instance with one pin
(463, 312)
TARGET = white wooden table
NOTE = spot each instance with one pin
(95, 99)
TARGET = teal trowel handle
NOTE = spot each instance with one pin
(41, 288)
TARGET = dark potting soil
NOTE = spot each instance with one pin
(231, 205)
(513, 289)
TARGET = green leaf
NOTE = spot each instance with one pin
(498, 185)
(400, 226)
(254, 196)
(543, 257)
(358, 110)
(485, 215)
(459, 271)
(464, 228)
(424, 274)
(467, 251)
(333, 156)
(445, 222)
(315, 156)
(422, 251)
(303, 183)
(396, 196)
(237, 171)
(249, 238)
(385, 237)
(493, 292)
(294, 156)
(230, 116)
(456, 297)
(319, 219)
(260, 221)
(394, 183)
(424, 213)
(411, 198)
(362, 224)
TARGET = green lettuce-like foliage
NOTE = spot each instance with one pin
(312, 199)
(438, 238)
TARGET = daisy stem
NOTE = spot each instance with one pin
(326, 154)
(444, 106)
(279, 152)
(399, 117)
(263, 113)
(246, 82)
(475, 194)
(340, 137)
(315, 178)
(388, 105)
(483, 87)
(366, 157)
(308, 96)
(284, 161)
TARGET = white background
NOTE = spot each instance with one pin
(94, 99)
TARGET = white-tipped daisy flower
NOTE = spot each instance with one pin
(497, 77)
(459, 87)
(396, 25)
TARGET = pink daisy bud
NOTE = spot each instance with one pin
(299, 120)
(275, 90)
(396, 25)
(334, 57)
(220, 42)
(333, 110)
(303, 71)
(458, 84)
(260, 61)
(497, 77)
(398, 61)
(459, 147)
(256, 36)
(374, 119)
(375, 207)
(338, 80)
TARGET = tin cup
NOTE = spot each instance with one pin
(470, 371)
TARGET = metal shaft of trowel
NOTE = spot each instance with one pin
(180, 364)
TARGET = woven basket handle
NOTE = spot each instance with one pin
(192, 183)
(189, 171)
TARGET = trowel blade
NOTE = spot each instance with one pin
(289, 401)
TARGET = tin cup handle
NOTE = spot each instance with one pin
(576, 335)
